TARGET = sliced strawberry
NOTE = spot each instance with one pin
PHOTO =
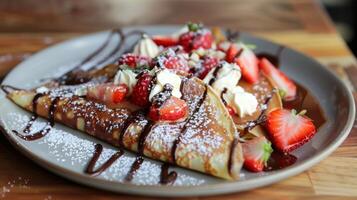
(285, 85)
(248, 63)
(256, 153)
(208, 64)
(165, 41)
(132, 60)
(171, 110)
(108, 93)
(231, 53)
(141, 91)
(289, 130)
(195, 38)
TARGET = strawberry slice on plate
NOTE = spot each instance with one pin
(171, 110)
(165, 41)
(288, 129)
(256, 153)
(108, 93)
(287, 87)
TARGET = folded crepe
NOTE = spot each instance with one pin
(207, 141)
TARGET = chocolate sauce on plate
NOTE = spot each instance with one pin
(167, 177)
(280, 160)
(97, 152)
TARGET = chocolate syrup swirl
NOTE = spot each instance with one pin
(97, 152)
(167, 177)
(46, 129)
(70, 77)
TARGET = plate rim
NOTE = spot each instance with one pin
(200, 190)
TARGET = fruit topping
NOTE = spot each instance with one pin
(141, 90)
(170, 60)
(108, 93)
(248, 63)
(165, 41)
(196, 37)
(287, 88)
(256, 153)
(170, 110)
(133, 60)
(289, 130)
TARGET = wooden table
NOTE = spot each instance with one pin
(29, 26)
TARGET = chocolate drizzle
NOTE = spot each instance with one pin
(139, 157)
(165, 176)
(97, 152)
(8, 88)
(69, 78)
(231, 154)
(214, 74)
(178, 139)
(160, 98)
(224, 91)
(262, 117)
(46, 129)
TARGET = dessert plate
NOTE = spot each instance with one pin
(67, 152)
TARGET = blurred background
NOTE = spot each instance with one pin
(344, 15)
(94, 15)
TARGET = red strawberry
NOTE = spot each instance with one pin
(289, 130)
(256, 153)
(164, 41)
(195, 38)
(133, 60)
(208, 64)
(248, 63)
(285, 85)
(176, 63)
(108, 93)
(141, 91)
(231, 53)
(171, 110)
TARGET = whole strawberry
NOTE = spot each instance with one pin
(208, 63)
(133, 61)
(196, 37)
(170, 60)
(141, 91)
(288, 129)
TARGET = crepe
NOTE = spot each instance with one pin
(207, 141)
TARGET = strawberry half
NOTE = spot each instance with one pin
(286, 86)
(289, 130)
(141, 91)
(248, 63)
(132, 60)
(108, 93)
(171, 110)
(231, 53)
(256, 153)
(165, 41)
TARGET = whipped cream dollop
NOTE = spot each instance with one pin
(243, 103)
(163, 77)
(127, 77)
(42, 89)
(227, 77)
(146, 47)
